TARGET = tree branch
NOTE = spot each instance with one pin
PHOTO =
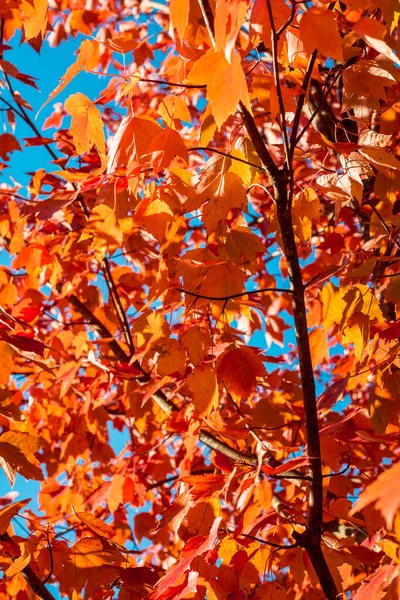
(300, 103)
(310, 539)
(118, 305)
(232, 296)
(275, 64)
(216, 151)
(98, 326)
(262, 541)
(259, 145)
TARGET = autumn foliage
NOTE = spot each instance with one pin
(207, 263)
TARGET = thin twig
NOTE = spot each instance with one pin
(232, 296)
(237, 158)
(275, 63)
(262, 541)
(300, 103)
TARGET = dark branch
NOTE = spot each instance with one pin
(232, 296)
(262, 541)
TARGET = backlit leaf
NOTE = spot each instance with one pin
(226, 83)
(383, 493)
(238, 370)
(318, 29)
(86, 125)
(203, 383)
(8, 512)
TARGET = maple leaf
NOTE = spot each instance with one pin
(381, 491)
(34, 17)
(214, 69)
(8, 143)
(203, 383)
(8, 512)
(318, 29)
(87, 125)
(239, 369)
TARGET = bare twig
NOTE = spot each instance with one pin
(275, 63)
(237, 158)
(232, 296)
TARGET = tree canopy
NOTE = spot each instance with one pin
(207, 262)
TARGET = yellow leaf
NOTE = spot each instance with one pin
(87, 125)
(318, 29)
(207, 126)
(244, 171)
(133, 81)
(174, 108)
(203, 383)
(226, 83)
(34, 18)
(356, 331)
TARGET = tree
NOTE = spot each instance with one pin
(209, 262)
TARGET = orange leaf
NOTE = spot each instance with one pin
(87, 125)
(179, 13)
(95, 524)
(164, 147)
(8, 512)
(230, 194)
(229, 17)
(173, 109)
(226, 83)
(34, 17)
(89, 553)
(171, 358)
(18, 565)
(130, 143)
(203, 383)
(375, 585)
(238, 370)
(195, 342)
(154, 215)
(13, 461)
(384, 492)
(318, 29)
